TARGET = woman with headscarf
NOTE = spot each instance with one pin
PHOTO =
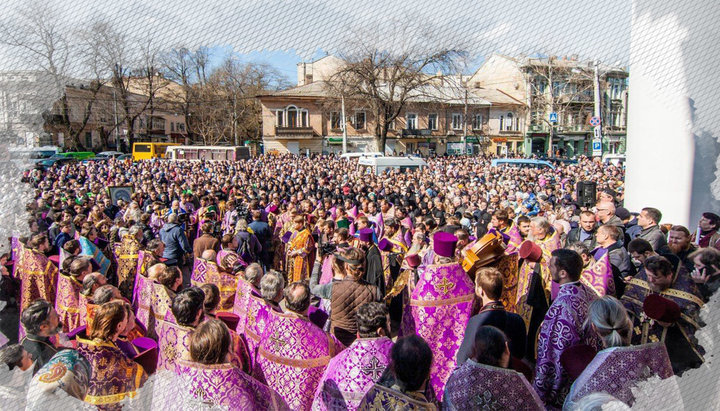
(61, 383)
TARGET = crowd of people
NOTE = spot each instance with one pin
(289, 282)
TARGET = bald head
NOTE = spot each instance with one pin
(156, 269)
(208, 255)
(605, 211)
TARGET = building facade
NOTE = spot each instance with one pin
(447, 117)
(559, 94)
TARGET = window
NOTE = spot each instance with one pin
(433, 121)
(502, 123)
(457, 121)
(359, 120)
(88, 139)
(172, 126)
(335, 122)
(509, 122)
(181, 127)
(303, 118)
(292, 116)
(411, 121)
(279, 118)
(477, 122)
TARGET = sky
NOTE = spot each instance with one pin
(284, 33)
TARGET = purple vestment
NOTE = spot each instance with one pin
(561, 329)
(439, 309)
(352, 373)
(226, 385)
(292, 357)
(173, 343)
(617, 370)
(483, 387)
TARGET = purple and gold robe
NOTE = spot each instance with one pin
(67, 302)
(351, 374)
(142, 300)
(240, 303)
(617, 370)
(484, 387)
(598, 276)
(255, 323)
(207, 272)
(682, 346)
(440, 307)
(38, 277)
(551, 243)
(514, 239)
(173, 344)
(562, 328)
(292, 357)
(127, 257)
(384, 398)
(114, 377)
(226, 385)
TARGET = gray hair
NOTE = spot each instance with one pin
(271, 285)
(253, 273)
(541, 222)
(611, 321)
(12, 355)
(104, 294)
(89, 282)
(134, 230)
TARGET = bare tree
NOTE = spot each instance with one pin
(47, 46)
(385, 77)
(564, 87)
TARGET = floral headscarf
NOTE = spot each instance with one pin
(67, 371)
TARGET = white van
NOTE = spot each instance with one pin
(377, 165)
(358, 155)
(614, 159)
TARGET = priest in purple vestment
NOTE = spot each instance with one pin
(293, 352)
(440, 307)
(213, 379)
(486, 382)
(355, 370)
(563, 327)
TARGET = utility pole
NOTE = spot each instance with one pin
(115, 121)
(342, 123)
(465, 116)
(597, 132)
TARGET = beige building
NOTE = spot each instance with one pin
(564, 86)
(446, 117)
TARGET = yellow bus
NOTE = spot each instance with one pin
(147, 150)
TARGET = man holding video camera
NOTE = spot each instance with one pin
(175, 240)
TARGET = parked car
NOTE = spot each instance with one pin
(109, 154)
(54, 160)
(124, 157)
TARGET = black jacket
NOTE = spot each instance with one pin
(510, 323)
(40, 348)
(374, 274)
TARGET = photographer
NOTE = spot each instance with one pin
(175, 240)
(249, 248)
(262, 231)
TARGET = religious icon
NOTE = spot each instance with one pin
(123, 193)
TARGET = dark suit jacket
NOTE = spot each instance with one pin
(510, 323)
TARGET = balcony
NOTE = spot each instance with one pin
(294, 132)
(510, 132)
(415, 132)
(537, 128)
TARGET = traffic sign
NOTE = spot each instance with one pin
(553, 117)
(595, 121)
(596, 133)
(597, 145)
(597, 148)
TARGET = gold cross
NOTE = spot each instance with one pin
(277, 341)
(444, 286)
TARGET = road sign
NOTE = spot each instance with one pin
(553, 117)
(596, 133)
(595, 121)
(597, 148)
